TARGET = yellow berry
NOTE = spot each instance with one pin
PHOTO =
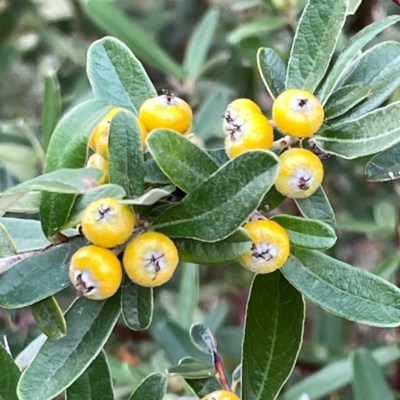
(237, 108)
(97, 161)
(297, 113)
(166, 111)
(300, 173)
(150, 259)
(108, 223)
(251, 131)
(220, 395)
(95, 272)
(270, 248)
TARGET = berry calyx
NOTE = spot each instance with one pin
(297, 112)
(221, 395)
(95, 272)
(108, 223)
(96, 160)
(270, 248)
(166, 111)
(150, 259)
(249, 131)
(300, 173)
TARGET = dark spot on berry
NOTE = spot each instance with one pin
(303, 102)
(303, 184)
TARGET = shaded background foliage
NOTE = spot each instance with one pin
(44, 42)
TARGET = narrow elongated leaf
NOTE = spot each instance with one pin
(355, 44)
(151, 196)
(99, 192)
(51, 108)
(125, 158)
(9, 376)
(39, 276)
(136, 304)
(116, 75)
(7, 244)
(202, 338)
(193, 370)
(95, 383)
(153, 173)
(49, 318)
(185, 164)
(369, 134)
(344, 99)
(273, 336)
(315, 41)
(60, 362)
(342, 289)
(369, 382)
(27, 204)
(26, 356)
(151, 388)
(317, 206)
(219, 205)
(214, 253)
(352, 6)
(131, 33)
(384, 166)
(308, 233)
(382, 79)
(199, 44)
(68, 148)
(272, 70)
(188, 297)
(336, 375)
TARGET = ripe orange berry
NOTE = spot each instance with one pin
(166, 111)
(297, 112)
(221, 395)
(270, 248)
(97, 161)
(300, 173)
(150, 259)
(251, 131)
(95, 272)
(108, 223)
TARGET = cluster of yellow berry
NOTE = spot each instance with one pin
(221, 395)
(296, 113)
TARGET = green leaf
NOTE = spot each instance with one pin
(151, 196)
(60, 362)
(51, 107)
(188, 296)
(95, 383)
(199, 44)
(9, 376)
(386, 215)
(388, 267)
(214, 253)
(153, 387)
(7, 244)
(192, 370)
(273, 336)
(384, 166)
(153, 173)
(273, 71)
(352, 6)
(379, 70)
(99, 192)
(272, 199)
(369, 134)
(125, 158)
(219, 156)
(344, 99)
(223, 202)
(369, 381)
(308, 233)
(37, 277)
(184, 163)
(314, 43)
(202, 338)
(352, 293)
(137, 305)
(350, 52)
(68, 148)
(49, 318)
(336, 375)
(317, 206)
(116, 75)
(27, 204)
(131, 33)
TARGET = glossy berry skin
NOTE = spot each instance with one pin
(107, 223)
(251, 131)
(300, 173)
(150, 259)
(297, 113)
(97, 161)
(220, 395)
(166, 111)
(270, 248)
(95, 272)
